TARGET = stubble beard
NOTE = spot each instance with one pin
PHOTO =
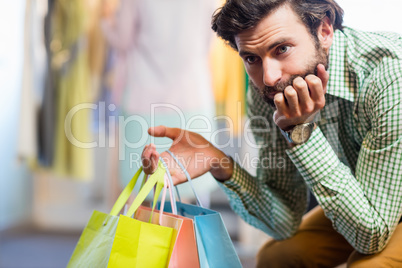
(321, 57)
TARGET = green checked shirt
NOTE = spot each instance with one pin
(352, 162)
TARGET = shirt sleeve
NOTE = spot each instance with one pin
(276, 198)
(364, 207)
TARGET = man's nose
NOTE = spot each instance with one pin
(272, 72)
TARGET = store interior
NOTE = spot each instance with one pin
(73, 98)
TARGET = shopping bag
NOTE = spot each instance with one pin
(215, 247)
(144, 243)
(95, 243)
(185, 253)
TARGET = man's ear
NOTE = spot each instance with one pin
(325, 33)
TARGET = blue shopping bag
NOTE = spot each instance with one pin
(215, 247)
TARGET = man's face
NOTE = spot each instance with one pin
(279, 49)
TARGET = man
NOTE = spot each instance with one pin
(334, 94)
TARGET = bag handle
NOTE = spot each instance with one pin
(167, 182)
(187, 176)
(125, 194)
(157, 178)
(171, 186)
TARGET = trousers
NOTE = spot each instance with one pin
(317, 244)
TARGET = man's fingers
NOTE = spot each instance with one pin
(150, 158)
(293, 100)
(316, 91)
(323, 75)
(280, 102)
(163, 131)
(158, 131)
(174, 169)
(300, 85)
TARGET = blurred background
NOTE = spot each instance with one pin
(81, 82)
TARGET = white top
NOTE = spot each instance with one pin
(166, 46)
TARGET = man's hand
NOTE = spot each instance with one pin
(301, 102)
(196, 154)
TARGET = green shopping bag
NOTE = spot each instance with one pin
(95, 243)
(143, 244)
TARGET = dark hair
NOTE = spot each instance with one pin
(238, 15)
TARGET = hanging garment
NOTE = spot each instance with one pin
(228, 83)
(33, 79)
(72, 83)
(47, 110)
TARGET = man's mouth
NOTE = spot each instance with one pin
(271, 95)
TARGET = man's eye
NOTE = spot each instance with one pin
(283, 49)
(251, 59)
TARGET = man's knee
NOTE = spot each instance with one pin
(357, 260)
(284, 253)
(390, 256)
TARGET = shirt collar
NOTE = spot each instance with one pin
(341, 80)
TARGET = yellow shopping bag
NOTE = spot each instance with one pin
(95, 243)
(143, 244)
(185, 253)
